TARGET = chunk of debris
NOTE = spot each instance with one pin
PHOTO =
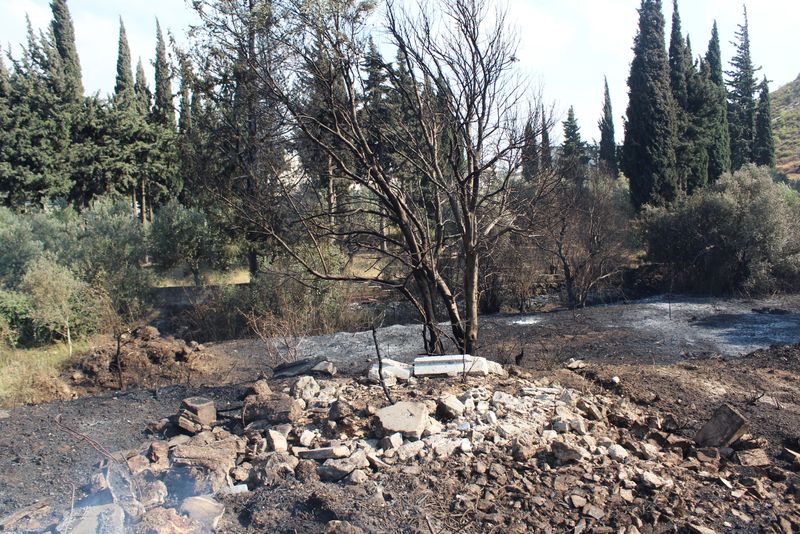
(753, 458)
(449, 407)
(392, 369)
(305, 388)
(204, 509)
(335, 470)
(574, 364)
(103, 519)
(276, 409)
(725, 426)
(325, 453)
(408, 418)
(453, 365)
(196, 414)
(308, 366)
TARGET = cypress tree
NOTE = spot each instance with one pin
(530, 150)
(719, 149)
(677, 60)
(64, 40)
(141, 89)
(185, 111)
(123, 88)
(608, 146)
(163, 108)
(741, 99)
(572, 158)
(547, 153)
(648, 151)
(764, 144)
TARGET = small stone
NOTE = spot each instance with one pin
(409, 450)
(305, 387)
(577, 501)
(261, 388)
(651, 480)
(307, 438)
(449, 407)
(357, 477)
(490, 418)
(617, 452)
(753, 458)
(574, 364)
(465, 445)
(335, 470)
(596, 512)
(408, 418)
(568, 453)
(276, 441)
(434, 427)
(391, 442)
(339, 410)
(202, 408)
(204, 509)
(725, 426)
(325, 453)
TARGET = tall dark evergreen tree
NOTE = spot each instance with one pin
(741, 99)
(546, 151)
(185, 110)
(719, 149)
(530, 150)
(64, 41)
(763, 144)
(572, 158)
(608, 145)
(142, 90)
(648, 151)
(680, 70)
(163, 107)
(123, 87)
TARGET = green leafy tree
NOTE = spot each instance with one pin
(741, 99)
(608, 145)
(54, 293)
(648, 151)
(764, 144)
(719, 149)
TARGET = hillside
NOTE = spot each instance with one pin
(786, 120)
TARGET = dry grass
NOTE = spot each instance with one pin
(31, 375)
(177, 278)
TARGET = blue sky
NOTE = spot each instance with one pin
(566, 46)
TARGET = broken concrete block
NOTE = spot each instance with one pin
(391, 369)
(202, 408)
(449, 407)
(450, 365)
(408, 418)
(753, 458)
(725, 426)
(204, 509)
(305, 388)
(325, 453)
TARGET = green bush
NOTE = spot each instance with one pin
(15, 320)
(738, 235)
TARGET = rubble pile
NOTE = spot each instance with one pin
(511, 453)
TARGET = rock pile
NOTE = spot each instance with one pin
(507, 453)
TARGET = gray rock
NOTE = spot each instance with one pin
(568, 453)
(449, 407)
(335, 470)
(617, 452)
(276, 441)
(202, 408)
(391, 442)
(310, 366)
(275, 409)
(204, 509)
(325, 453)
(408, 418)
(725, 426)
(305, 388)
(409, 450)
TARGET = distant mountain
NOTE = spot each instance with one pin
(786, 125)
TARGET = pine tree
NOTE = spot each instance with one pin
(648, 152)
(719, 150)
(764, 144)
(530, 150)
(608, 145)
(677, 60)
(547, 153)
(572, 158)
(741, 99)
(123, 88)
(163, 108)
(64, 37)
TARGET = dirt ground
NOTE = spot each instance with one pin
(685, 356)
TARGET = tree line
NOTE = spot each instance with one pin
(297, 143)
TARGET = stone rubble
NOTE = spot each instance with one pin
(582, 462)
